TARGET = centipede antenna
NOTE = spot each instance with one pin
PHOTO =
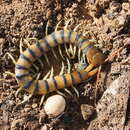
(10, 73)
(46, 29)
(53, 51)
(76, 91)
(89, 68)
(69, 65)
(66, 24)
(11, 57)
(60, 52)
(60, 93)
(41, 101)
(52, 72)
(45, 55)
(93, 72)
(75, 29)
(62, 68)
(68, 91)
(57, 26)
(47, 75)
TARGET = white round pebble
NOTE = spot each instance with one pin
(54, 105)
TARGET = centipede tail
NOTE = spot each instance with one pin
(22, 70)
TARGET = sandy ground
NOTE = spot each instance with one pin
(105, 21)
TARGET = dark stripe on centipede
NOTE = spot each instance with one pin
(47, 43)
(65, 81)
(72, 78)
(86, 49)
(21, 67)
(47, 86)
(25, 58)
(62, 35)
(53, 35)
(69, 35)
(32, 53)
(81, 42)
(78, 36)
(40, 47)
(28, 84)
(36, 87)
(80, 76)
(55, 82)
(20, 76)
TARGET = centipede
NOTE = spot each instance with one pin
(27, 82)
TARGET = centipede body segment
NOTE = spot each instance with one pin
(22, 70)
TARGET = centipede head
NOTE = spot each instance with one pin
(94, 55)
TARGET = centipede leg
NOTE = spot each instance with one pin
(52, 72)
(62, 69)
(53, 51)
(46, 29)
(45, 55)
(75, 29)
(46, 76)
(67, 91)
(76, 91)
(38, 76)
(10, 73)
(68, 65)
(68, 71)
(72, 51)
(60, 93)
(20, 46)
(66, 24)
(79, 55)
(41, 101)
(14, 61)
(26, 100)
(57, 26)
(11, 57)
(61, 73)
(60, 52)
(18, 91)
(67, 52)
(69, 68)
(27, 97)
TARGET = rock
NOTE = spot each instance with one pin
(112, 107)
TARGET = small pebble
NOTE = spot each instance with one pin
(34, 105)
(87, 111)
(27, 109)
(54, 105)
(16, 123)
